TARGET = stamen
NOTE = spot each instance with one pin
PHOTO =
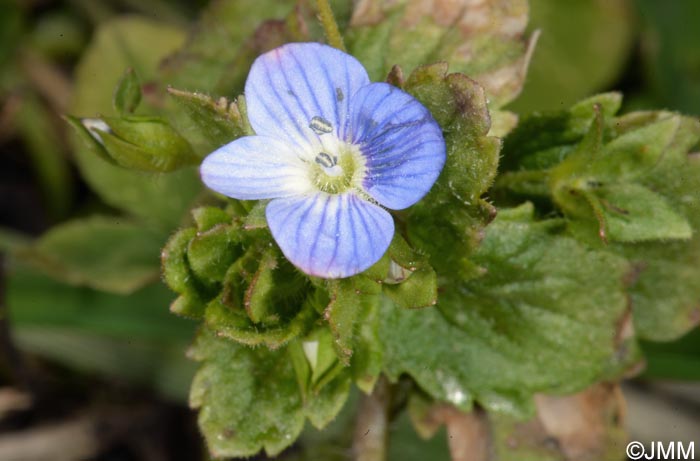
(326, 160)
(320, 125)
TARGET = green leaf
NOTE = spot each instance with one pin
(542, 318)
(634, 154)
(106, 253)
(210, 61)
(210, 253)
(543, 140)
(418, 290)
(127, 94)
(367, 357)
(484, 40)
(127, 338)
(350, 300)
(641, 182)
(454, 208)
(45, 147)
(219, 121)
(119, 44)
(665, 291)
(319, 353)
(178, 275)
(145, 144)
(249, 399)
(85, 130)
(263, 300)
(209, 216)
(633, 213)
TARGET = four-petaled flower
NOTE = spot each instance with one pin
(332, 150)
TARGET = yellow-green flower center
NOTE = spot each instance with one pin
(338, 172)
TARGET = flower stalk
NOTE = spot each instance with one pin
(371, 438)
(330, 26)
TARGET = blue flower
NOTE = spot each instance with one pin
(332, 150)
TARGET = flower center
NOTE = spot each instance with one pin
(337, 172)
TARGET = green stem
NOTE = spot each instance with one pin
(371, 436)
(330, 26)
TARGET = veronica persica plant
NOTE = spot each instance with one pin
(332, 150)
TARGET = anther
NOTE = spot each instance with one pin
(320, 125)
(326, 160)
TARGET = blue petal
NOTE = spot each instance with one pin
(256, 167)
(300, 91)
(330, 236)
(401, 141)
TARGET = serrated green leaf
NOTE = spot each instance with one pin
(249, 399)
(454, 209)
(459, 106)
(644, 166)
(485, 41)
(533, 322)
(107, 253)
(127, 94)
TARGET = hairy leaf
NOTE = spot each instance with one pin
(543, 317)
(250, 400)
(106, 253)
(484, 40)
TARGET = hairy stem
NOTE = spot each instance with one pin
(371, 437)
(330, 26)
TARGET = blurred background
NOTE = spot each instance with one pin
(92, 364)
